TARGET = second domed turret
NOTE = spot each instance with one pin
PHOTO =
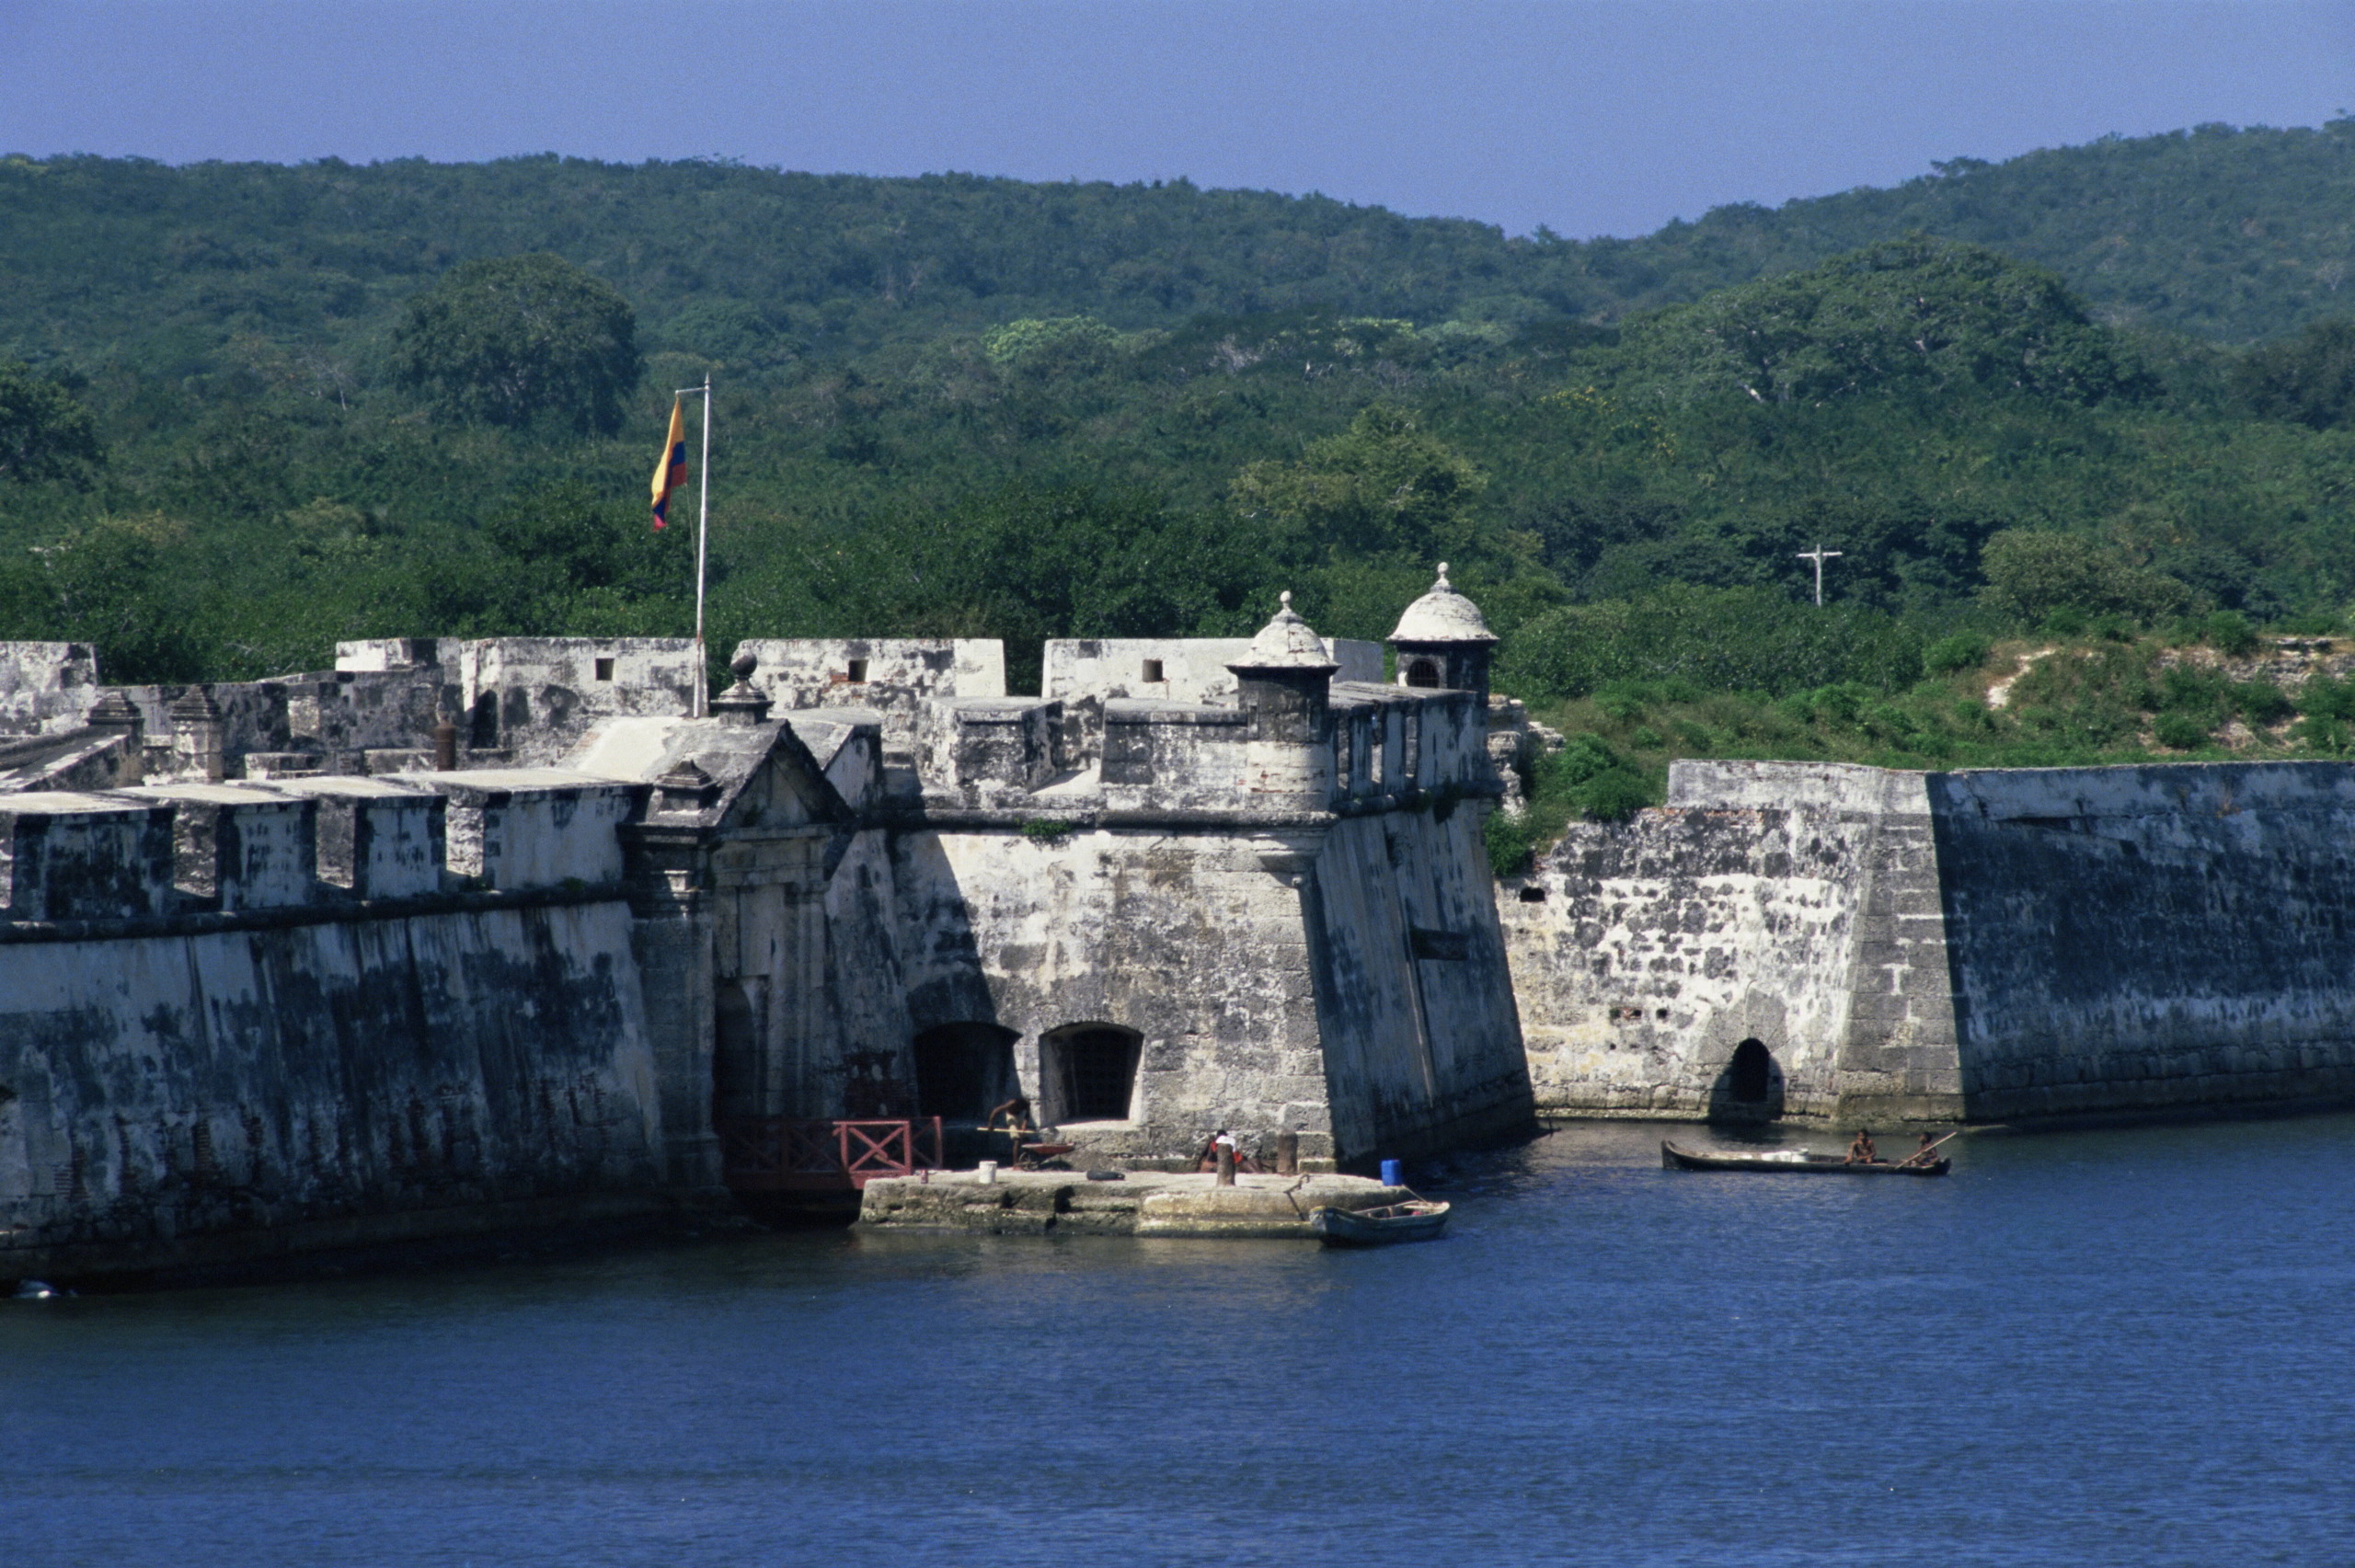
(1442, 641)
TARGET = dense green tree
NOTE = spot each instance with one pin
(1385, 487)
(2309, 377)
(2030, 575)
(519, 340)
(44, 433)
(1914, 313)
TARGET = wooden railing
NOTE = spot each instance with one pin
(770, 1154)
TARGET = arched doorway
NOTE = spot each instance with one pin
(1088, 1072)
(1423, 672)
(1751, 1072)
(1749, 1087)
(964, 1070)
(735, 1053)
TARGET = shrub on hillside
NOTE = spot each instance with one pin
(1951, 655)
(2228, 632)
(2262, 703)
(2323, 697)
(2179, 732)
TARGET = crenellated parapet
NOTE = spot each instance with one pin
(86, 857)
(893, 677)
(1136, 728)
(322, 845)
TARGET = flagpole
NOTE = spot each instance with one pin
(703, 527)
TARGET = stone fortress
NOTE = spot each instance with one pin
(467, 935)
(473, 935)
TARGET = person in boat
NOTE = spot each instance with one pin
(1927, 1155)
(1862, 1151)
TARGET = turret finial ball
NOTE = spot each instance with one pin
(1284, 599)
(744, 663)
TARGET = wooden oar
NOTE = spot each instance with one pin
(1915, 1157)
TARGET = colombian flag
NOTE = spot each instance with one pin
(671, 471)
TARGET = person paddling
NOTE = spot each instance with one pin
(1927, 1155)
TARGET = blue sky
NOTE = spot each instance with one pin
(1586, 118)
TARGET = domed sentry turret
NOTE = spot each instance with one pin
(1442, 642)
(1286, 677)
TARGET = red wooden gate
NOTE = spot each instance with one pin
(774, 1154)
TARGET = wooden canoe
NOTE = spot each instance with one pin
(1793, 1161)
(1421, 1221)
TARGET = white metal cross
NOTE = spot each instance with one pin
(1819, 556)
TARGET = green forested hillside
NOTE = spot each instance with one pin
(247, 411)
(2235, 235)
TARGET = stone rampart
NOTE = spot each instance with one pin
(193, 1096)
(236, 1019)
(891, 676)
(2138, 937)
(298, 988)
(1988, 945)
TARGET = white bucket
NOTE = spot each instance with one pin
(986, 1173)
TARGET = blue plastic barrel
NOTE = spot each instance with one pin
(1392, 1176)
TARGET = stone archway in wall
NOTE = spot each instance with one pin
(482, 723)
(964, 1070)
(1748, 1088)
(1088, 1072)
(1423, 673)
(735, 1053)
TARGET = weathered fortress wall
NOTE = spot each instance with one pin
(1983, 946)
(2151, 936)
(209, 1052)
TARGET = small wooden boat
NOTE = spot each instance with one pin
(1794, 1162)
(1421, 1221)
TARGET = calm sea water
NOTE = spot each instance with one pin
(2120, 1347)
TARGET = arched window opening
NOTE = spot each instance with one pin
(1423, 672)
(1089, 1072)
(482, 730)
(735, 1053)
(964, 1070)
(1751, 1075)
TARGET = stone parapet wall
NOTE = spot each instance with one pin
(1176, 669)
(154, 851)
(890, 677)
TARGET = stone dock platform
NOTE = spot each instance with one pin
(1145, 1203)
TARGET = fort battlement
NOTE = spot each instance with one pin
(892, 678)
(1310, 744)
(195, 848)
